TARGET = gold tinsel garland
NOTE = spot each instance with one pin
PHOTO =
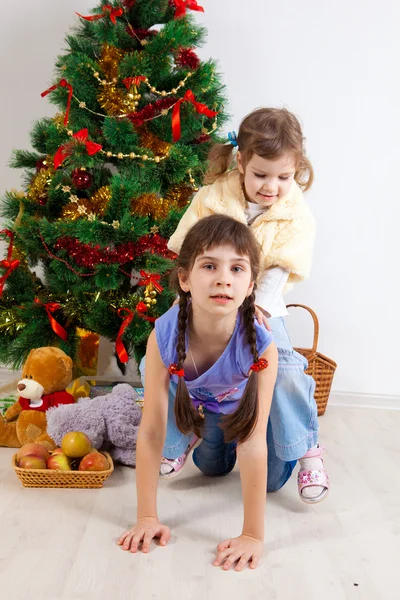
(153, 143)
(38, 187)
(58, 121)
(180, 195)
(151, 205)
(109, 60)
(9, 324)
(113, 100)
(82, 207)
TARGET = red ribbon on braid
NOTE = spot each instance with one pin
(56, 327)
(8, 263)
(176, 112)
(260, 365)
(113, 13)
(61, 83)
(182, 5)
(173, 370)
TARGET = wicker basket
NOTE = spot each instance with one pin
(320, 367)
(62, 479)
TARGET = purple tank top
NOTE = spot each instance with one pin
(220, 388)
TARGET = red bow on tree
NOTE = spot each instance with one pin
(127, 319)
(66, 149)
(130, 81)
(150, 279)
(56, 327)
(8, 263)
(113, 13)
(176, 113)
(182, 5)
(62, 83)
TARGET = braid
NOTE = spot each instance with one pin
(182, 322)
(187, 418)
(240, 424)
(249, 311)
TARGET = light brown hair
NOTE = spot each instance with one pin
(269, 133)
(211, 232)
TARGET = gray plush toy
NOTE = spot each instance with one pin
(111, 422)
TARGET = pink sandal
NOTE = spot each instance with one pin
(177, 464)
(312, 478)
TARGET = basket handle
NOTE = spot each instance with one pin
(316, 324)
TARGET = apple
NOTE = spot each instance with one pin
(32, 462)
(94, 461)
(57, 451)
(59, 462)
(33, 450)
(76, 444)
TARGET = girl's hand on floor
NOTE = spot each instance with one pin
(261, 318)
(241, 550)
(144, 531)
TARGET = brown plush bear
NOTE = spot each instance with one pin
(46, 374)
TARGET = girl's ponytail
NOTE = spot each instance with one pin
(220, 158)
(304, 175)
(187, 418)
(240, 424)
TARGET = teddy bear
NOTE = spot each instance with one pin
(45, 375)
(111, 422)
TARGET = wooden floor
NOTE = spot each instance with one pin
(60, 544)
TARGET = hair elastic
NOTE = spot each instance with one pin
(232, 138)
(173, 370)
(260, 365)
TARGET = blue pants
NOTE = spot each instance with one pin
(292, 427)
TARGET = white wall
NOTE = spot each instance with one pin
(335, 64)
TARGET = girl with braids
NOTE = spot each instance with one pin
(264, 191)
(218, 365)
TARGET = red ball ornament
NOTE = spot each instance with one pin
(82, 179)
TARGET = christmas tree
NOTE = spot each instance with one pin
(108, 179)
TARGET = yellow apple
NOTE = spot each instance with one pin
(76, 444)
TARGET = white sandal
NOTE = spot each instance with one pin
(176, 464)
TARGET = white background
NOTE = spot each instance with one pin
(336, 66)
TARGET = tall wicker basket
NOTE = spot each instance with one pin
(320, 367)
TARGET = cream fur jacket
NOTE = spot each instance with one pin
(286, 231)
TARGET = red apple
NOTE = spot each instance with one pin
(32, 462)
(57, 451)
(33, 450)
(59, 462)
(94, 461)
(76, 444)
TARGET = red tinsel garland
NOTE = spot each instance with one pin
(140, 34)
(155, 244)
(86, 255)
(187, 58)
(204, 137)
(151, 110)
